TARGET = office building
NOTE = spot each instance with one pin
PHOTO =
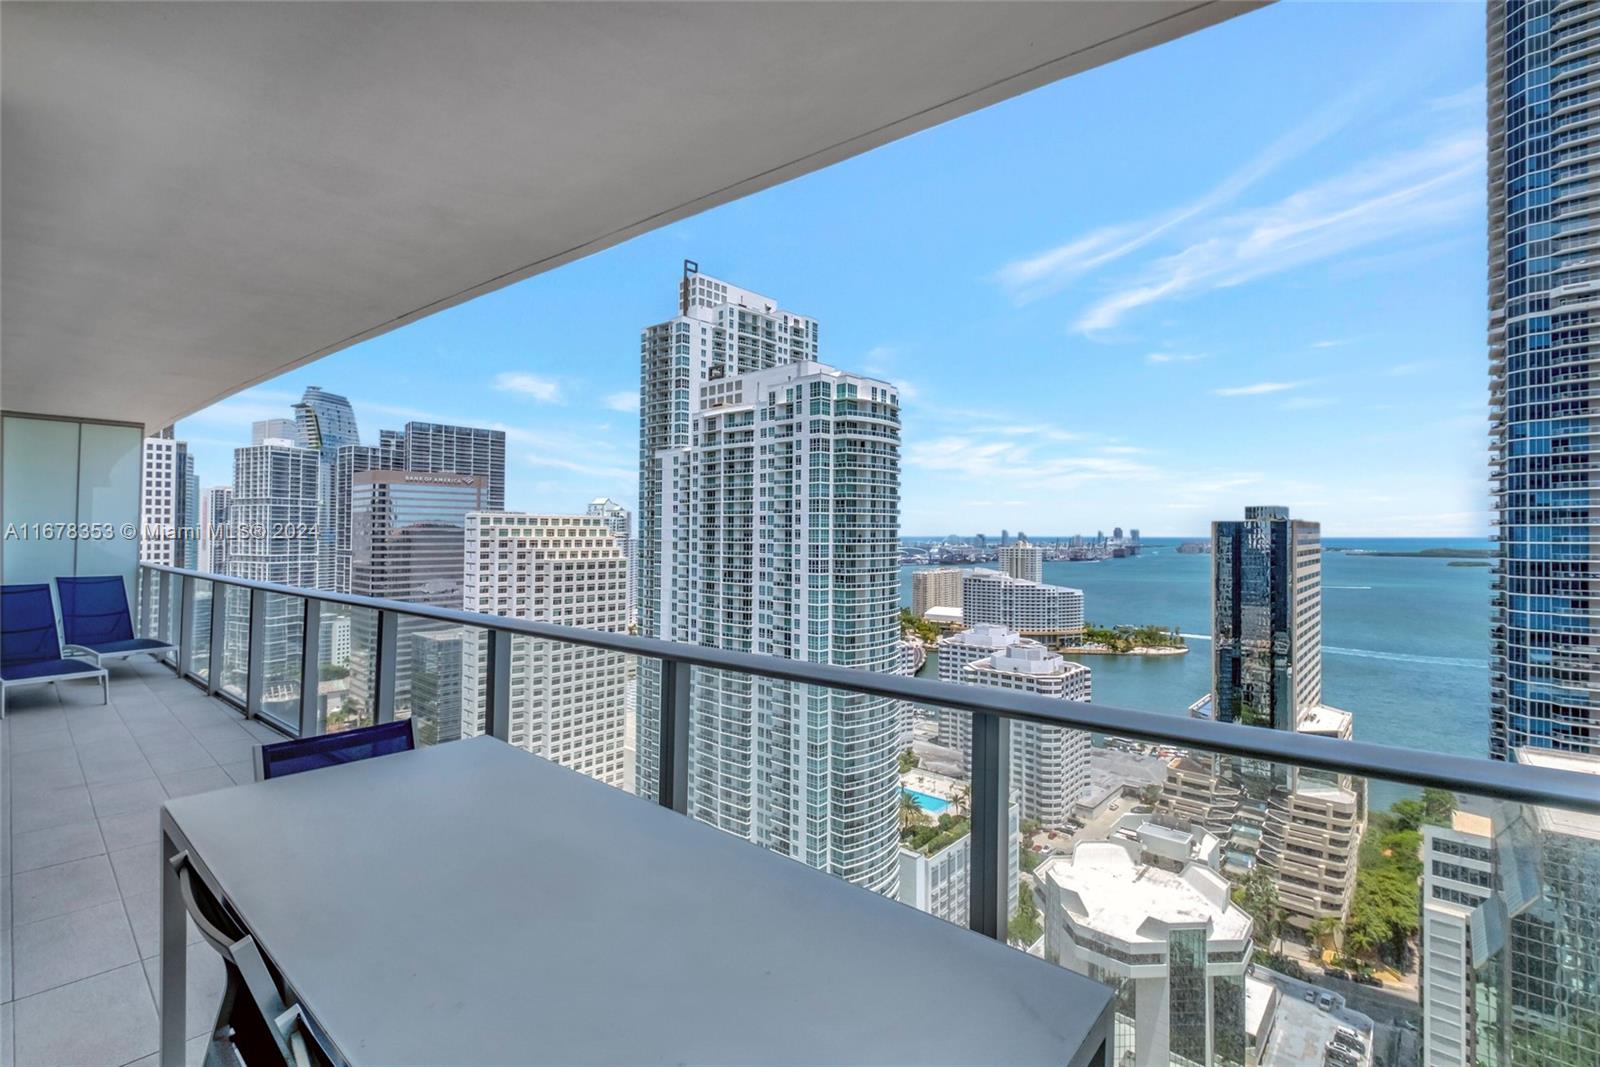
(567, 702)
(169, 504)
(768, 511)
(435, 448)
(1049, 764)
(1053, 613)
(273, 511)
(1171, 944)
(619, 520)
(264, 430)
(406, 544)
(1543, 358)
(935, 874)
(437, 683)
(1458, 962)
(348, 462)
(939, 587)
(1267, 618)
(1022, 559)
(325, 422)
(215, 503)
(334, 650)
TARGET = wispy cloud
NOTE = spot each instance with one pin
(1172, 357)
(1306, 403)
(1402, 370)
(624, 400)
(1474, 96)
(537, 386)
(1328, 344)
(1256, 389)
(1376, 201)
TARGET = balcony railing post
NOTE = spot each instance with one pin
(497, 702)
(311, 671)
(988, 903)
(185, 623)
(217, 653)
(673, 747)
(386, 666)
(164, 607)
(256, 656)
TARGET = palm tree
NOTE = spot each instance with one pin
(910, 811)
(963, 798)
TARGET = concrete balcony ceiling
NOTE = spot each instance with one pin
(198, 197)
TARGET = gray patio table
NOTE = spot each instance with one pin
(473, 904)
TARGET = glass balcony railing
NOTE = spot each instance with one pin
(1250, 895)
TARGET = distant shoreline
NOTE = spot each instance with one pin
(1142, 650)
(1422, 553)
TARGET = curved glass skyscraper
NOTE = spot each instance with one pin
(1544, 366)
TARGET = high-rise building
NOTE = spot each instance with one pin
(274, 513)
(436, 448)
(437, 677)
(406, 543)
(1457, 983)
(939, 587)
(1543, 356)
(768, 513)
(1023, 559)
(325, 423)
(935, 874)
(619, 520)
(1171, 943)
(567, 701)
(169, 505)
(1049, 764)
(1033, 609)
(264, 430)
(1267, 618)
(215, 503)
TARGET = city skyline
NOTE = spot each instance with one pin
(1353, 329)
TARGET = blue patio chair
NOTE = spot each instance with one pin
(96, 622)
(30, 653)
(329, 750)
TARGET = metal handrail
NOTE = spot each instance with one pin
(1481, 776)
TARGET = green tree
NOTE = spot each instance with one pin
(1024, 928)
(1257, 894)
(910, 811)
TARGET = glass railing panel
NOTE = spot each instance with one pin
(171, 610)
(283, 645)
(346, 661)
(235, 605)
(199, 665)
(444, 675)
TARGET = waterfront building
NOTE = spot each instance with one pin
(1171, 944)
(169, 504)
(567, 702)
(406, 544)
(1033, 609)
(1024, 560)
(215, 503)
(619, 520)
(1049, 764)
(1267, 618)
(939, 587)
(1544, 355)
(325, 422)
(935, 876)
(274, 508)
(768, 516)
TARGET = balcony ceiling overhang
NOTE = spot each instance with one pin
(198, 197)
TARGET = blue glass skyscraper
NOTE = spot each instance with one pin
(1544, 365)
(327, 423)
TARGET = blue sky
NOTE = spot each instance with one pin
(1244, 267)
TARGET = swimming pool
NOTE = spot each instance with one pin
(931, 804)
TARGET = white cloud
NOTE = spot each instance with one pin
(1172, 357)
(624, 400)
(1256, 389)
(1401, 370)
(1378, 200)
(1328, 344)
(1306, 403)
(545, 390)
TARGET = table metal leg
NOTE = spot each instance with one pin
(174, 935)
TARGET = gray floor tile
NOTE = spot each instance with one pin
(141, 827)
(50, 759)
(57, 807)
(26, 779)
(8, 1057)
(102, 725)
(138, 869)
(53, 952)
(144, 914)
(204, 984)
(200, 780)
(109, 763)
(225, 752)
(66, 887)
(194, 1054)
(120, 798)
(189, 756)
(108, 1019)
(41, 741)
(58, 844)
(242, 773)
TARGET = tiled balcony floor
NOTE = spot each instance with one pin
(80, 855)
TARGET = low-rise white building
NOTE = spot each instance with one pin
(1457, 880)
(936, 878)
(1032, 608)
(1171, 944)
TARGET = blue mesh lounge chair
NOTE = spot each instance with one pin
(329, 750)
(96, 622)
(30, 653)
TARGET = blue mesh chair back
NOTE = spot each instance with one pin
(94, 611)
(329, 750)
(27, 626)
